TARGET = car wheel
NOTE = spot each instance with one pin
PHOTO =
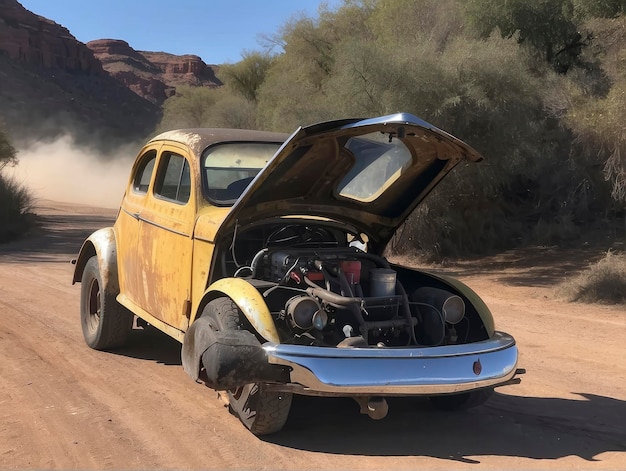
(261, 411)
(462, 401)
(106, 324)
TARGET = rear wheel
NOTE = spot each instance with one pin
(261, 411)
(106, 324)
(462, 401)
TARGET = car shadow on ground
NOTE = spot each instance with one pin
(151, 344)
(531, 427)
(511, 426)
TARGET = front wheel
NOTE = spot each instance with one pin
(453, 402)
(261, 411)
(106, 324)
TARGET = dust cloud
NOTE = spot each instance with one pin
(61, 170)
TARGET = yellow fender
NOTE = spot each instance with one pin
(102, 244)
(251, 303)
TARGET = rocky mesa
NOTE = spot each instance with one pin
(152, 75)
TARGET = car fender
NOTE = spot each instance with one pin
(200, 336)
(103, 245)
(248, 300)
(230, 358)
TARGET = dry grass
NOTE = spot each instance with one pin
(602, 282)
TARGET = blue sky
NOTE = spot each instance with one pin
(217, 31)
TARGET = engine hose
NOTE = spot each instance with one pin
(345, 286)
(337, 300)
(332, 298)
(357, 311)
(255, 260)
(406, 309)
(407, 314)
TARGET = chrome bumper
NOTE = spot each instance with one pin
(397, 371)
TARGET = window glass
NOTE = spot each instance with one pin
(173, 180)
(229, 168)
(184, 189)
(144, 172)
(379, 161)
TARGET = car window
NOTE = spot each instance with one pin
(143, 176)
(229, 168)
(379, 161)
(173, 179)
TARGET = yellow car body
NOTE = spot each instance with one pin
(262, 254)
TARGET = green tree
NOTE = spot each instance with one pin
(599, 8)
(207, 107)
(246, 76)
(550, 27)
(398, 22)
(598, 121)
(188, 108)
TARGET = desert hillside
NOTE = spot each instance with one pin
(53, 84)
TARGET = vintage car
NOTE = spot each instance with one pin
(261, 253)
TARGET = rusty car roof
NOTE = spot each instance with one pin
(198, 139)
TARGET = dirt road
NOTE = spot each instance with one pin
(65, 406)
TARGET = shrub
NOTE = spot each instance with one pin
(7, 151)
(603, 282)
(16, 204)
(16, 201)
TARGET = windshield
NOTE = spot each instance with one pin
(229, 168)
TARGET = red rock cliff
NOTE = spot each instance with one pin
(152, 75)
(35, 40)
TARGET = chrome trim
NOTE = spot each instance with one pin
(397, 371)
(138, 217)
(160, 226)
(132, 215)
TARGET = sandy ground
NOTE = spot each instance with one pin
(65, 406)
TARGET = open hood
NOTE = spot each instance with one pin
(368, 173)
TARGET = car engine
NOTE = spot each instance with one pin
(323, 294)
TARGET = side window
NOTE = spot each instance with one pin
(144, 172)
(173, 180)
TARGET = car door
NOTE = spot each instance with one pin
(165, 239)
(127, 226)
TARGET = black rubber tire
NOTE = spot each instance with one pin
(106, 324)
(261, 411)
(464, 401)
